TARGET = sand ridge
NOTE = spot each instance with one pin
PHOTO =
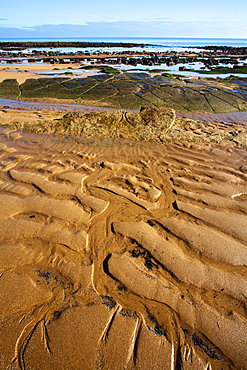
(111, 247)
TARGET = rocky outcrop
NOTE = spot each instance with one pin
(148, 125)
(135, 90)
(159, 118)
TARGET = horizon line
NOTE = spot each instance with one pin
(127, 37)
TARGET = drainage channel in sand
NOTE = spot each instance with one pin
(110, 249)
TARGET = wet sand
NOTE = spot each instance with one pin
(16, 111)
(118, 254)
(227, 118)
(22, 72)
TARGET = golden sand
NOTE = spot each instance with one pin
(118, 254)
(22, 72)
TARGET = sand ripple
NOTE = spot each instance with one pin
(111, 250)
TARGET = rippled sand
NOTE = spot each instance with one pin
(122, 255)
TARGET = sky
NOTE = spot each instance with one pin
(127, 18)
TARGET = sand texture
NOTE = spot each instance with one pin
(118, 254)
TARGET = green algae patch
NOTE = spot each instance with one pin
(170, 75)
(224, 70)
(103, 68)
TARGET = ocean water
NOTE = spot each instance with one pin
(158, 41)
(151, 44)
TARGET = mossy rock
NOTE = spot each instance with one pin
(46, 81)
(192, 100)
(224, 70)
(108, 69)
(136, 76)
(132, 91)
(130, 101)
(125, 86)
(9, 89)
(72, 83)
(99, 92)
(45, 89)
(168, 99)
(31, 84)
(224, 102)
(152, 98)
(103, 68)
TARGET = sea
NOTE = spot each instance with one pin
(157, 41)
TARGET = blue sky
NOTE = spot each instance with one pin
(157, 18)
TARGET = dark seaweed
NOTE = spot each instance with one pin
(108, 301)
(197, 341)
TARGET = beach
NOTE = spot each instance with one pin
(113, 248)
(123, 237)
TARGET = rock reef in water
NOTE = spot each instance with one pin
(57, 44)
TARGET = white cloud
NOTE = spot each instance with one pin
(155, 28)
